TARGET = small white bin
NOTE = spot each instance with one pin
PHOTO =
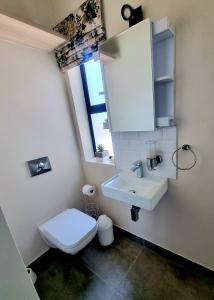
(32, 275)
(105, 230)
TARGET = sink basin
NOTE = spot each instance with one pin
(142, 192)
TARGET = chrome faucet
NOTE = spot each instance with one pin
(138, 166)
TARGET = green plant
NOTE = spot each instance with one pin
(100, 148)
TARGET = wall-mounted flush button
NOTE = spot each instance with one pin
(39, 166)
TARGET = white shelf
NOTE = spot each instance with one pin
(163, 79)
(162, 30)
(165, 121)
(18, 31)
(168, 33)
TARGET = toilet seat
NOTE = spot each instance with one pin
(70, 231)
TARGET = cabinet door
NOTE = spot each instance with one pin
(15, 283)
(129, 79)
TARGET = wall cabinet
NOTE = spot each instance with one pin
(138, 71)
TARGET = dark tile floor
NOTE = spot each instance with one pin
(125, 270)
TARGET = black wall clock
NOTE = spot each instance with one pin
(133, 15)
(126, 12)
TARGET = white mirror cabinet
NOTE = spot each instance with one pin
(138, 70)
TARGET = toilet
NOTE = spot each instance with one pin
(70, 231)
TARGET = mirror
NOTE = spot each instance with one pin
(128, 77)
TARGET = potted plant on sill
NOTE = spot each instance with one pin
(101, 152)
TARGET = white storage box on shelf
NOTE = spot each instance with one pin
(105, 230)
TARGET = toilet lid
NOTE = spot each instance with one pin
(69, 228)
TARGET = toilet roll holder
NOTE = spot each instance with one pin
(91, 207)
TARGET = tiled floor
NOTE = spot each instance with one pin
(126, 270)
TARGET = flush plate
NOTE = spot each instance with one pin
(39, 166)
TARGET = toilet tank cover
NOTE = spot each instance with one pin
(69, 228)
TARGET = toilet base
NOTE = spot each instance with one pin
(73, 250)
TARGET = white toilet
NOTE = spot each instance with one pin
(70, 231)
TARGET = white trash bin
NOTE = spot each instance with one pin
(105, 230)
(32, 275)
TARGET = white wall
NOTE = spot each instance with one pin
(183, 222)
(62, 8)
(35, 121)
(79, 112)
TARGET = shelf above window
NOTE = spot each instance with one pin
(22, 32)
(105, 58)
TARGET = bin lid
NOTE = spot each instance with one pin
(104, 222)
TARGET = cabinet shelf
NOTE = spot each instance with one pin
(22, 32)
(165, 121)
(162, 30)
(163, 79)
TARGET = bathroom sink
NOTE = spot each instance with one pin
(141, 192)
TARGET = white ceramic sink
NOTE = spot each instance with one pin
(142, 192)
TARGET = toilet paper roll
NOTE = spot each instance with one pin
(88, 190)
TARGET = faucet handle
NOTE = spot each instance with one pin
(137, 163)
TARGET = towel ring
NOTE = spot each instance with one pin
(185, 147)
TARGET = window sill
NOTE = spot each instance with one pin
(101, 161)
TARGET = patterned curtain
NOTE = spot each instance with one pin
(84, 30)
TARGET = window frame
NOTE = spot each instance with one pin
(91, 109)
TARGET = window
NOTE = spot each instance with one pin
(95, 103)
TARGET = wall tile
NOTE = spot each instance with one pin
(131, 146)
(125, 158)
(129, 135)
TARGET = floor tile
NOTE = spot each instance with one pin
(65, 277)
(111, 263)
(154, 277)
(144, 278)
(124, 271)
(118, 296)
(178, 280)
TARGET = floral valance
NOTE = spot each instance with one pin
(84, 30)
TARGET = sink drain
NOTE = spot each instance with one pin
(132, 191)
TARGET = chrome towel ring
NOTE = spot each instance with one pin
(185, 147)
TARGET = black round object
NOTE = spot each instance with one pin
(126, 9)
(186, 147)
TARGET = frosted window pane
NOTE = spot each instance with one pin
(102, 136)
(95, 82)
